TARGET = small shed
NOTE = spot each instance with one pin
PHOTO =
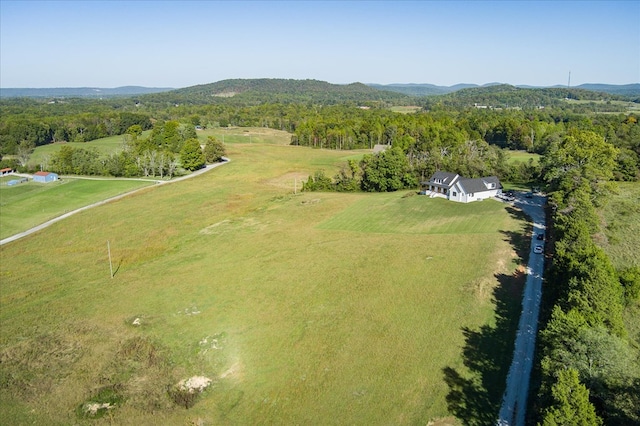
(6, 171)
(45, 177)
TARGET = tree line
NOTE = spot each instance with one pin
(169, 150)
(588, 370)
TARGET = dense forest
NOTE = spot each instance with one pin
(469, 140)
(587, 141)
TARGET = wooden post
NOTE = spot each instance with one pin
(110, 264)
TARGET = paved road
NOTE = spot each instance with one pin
(108, 200)
(514, 401)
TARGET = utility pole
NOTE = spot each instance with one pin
(110, 264)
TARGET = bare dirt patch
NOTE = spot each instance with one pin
(234, 372)
(289, 180)
(230, 225)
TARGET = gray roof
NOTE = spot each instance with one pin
(445, 177)
(479, 184)
(380, 148)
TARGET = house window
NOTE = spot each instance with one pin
(455, 194)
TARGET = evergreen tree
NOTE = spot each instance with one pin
(191, 155)
(571, 404)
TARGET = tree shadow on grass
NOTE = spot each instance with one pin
(475, 392)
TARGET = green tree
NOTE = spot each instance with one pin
(318, 182)
(580, 155)
(630, 281)
(386, 171)
(25, 149)
(191, 155)
(213, 150)
(571, 404)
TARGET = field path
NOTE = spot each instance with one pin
(514, 401)
(108, 200)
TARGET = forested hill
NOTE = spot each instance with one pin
(630, 90)
(506, 96)
(257, 91)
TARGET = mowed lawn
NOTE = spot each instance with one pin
(29, 204)
(312, 308)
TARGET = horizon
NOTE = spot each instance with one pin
(302, 79)
(170, 44)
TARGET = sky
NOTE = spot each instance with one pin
(185, 43)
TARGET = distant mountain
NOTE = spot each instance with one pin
(623, 89)
(79, 92)
(630, 90)
(507, 96)
(412, 89)
(265, 90)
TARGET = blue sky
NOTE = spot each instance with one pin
(180, 44)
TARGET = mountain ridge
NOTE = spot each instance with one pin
(232, 87)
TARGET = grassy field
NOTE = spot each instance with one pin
(250, 135)
(406, 109)
(103, 146)
(621, 242)
(522, 157)
(313, 308)
(622, 226)
(29, 204)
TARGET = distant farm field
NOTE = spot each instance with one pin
(523, 157)
(622, 226)
(29, 204)
(103, 146)
(305, 308)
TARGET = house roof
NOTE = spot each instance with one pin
(42, 173)
(445, 177)
(380, 148)
(480, 184)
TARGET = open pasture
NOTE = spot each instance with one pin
(103, 146)
(621, 216)
(296, 314)
(418, 215)
(523, 157)
(257, 135)
(29, 204)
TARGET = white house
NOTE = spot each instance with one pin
(463, 190)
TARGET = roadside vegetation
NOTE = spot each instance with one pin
(585, 346)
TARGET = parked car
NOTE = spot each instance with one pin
(538, 249)
(540, 237)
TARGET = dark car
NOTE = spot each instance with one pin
(540, 237)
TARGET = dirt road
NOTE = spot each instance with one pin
(514, 401)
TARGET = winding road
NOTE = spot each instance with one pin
(108, 200)
(514, 401)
